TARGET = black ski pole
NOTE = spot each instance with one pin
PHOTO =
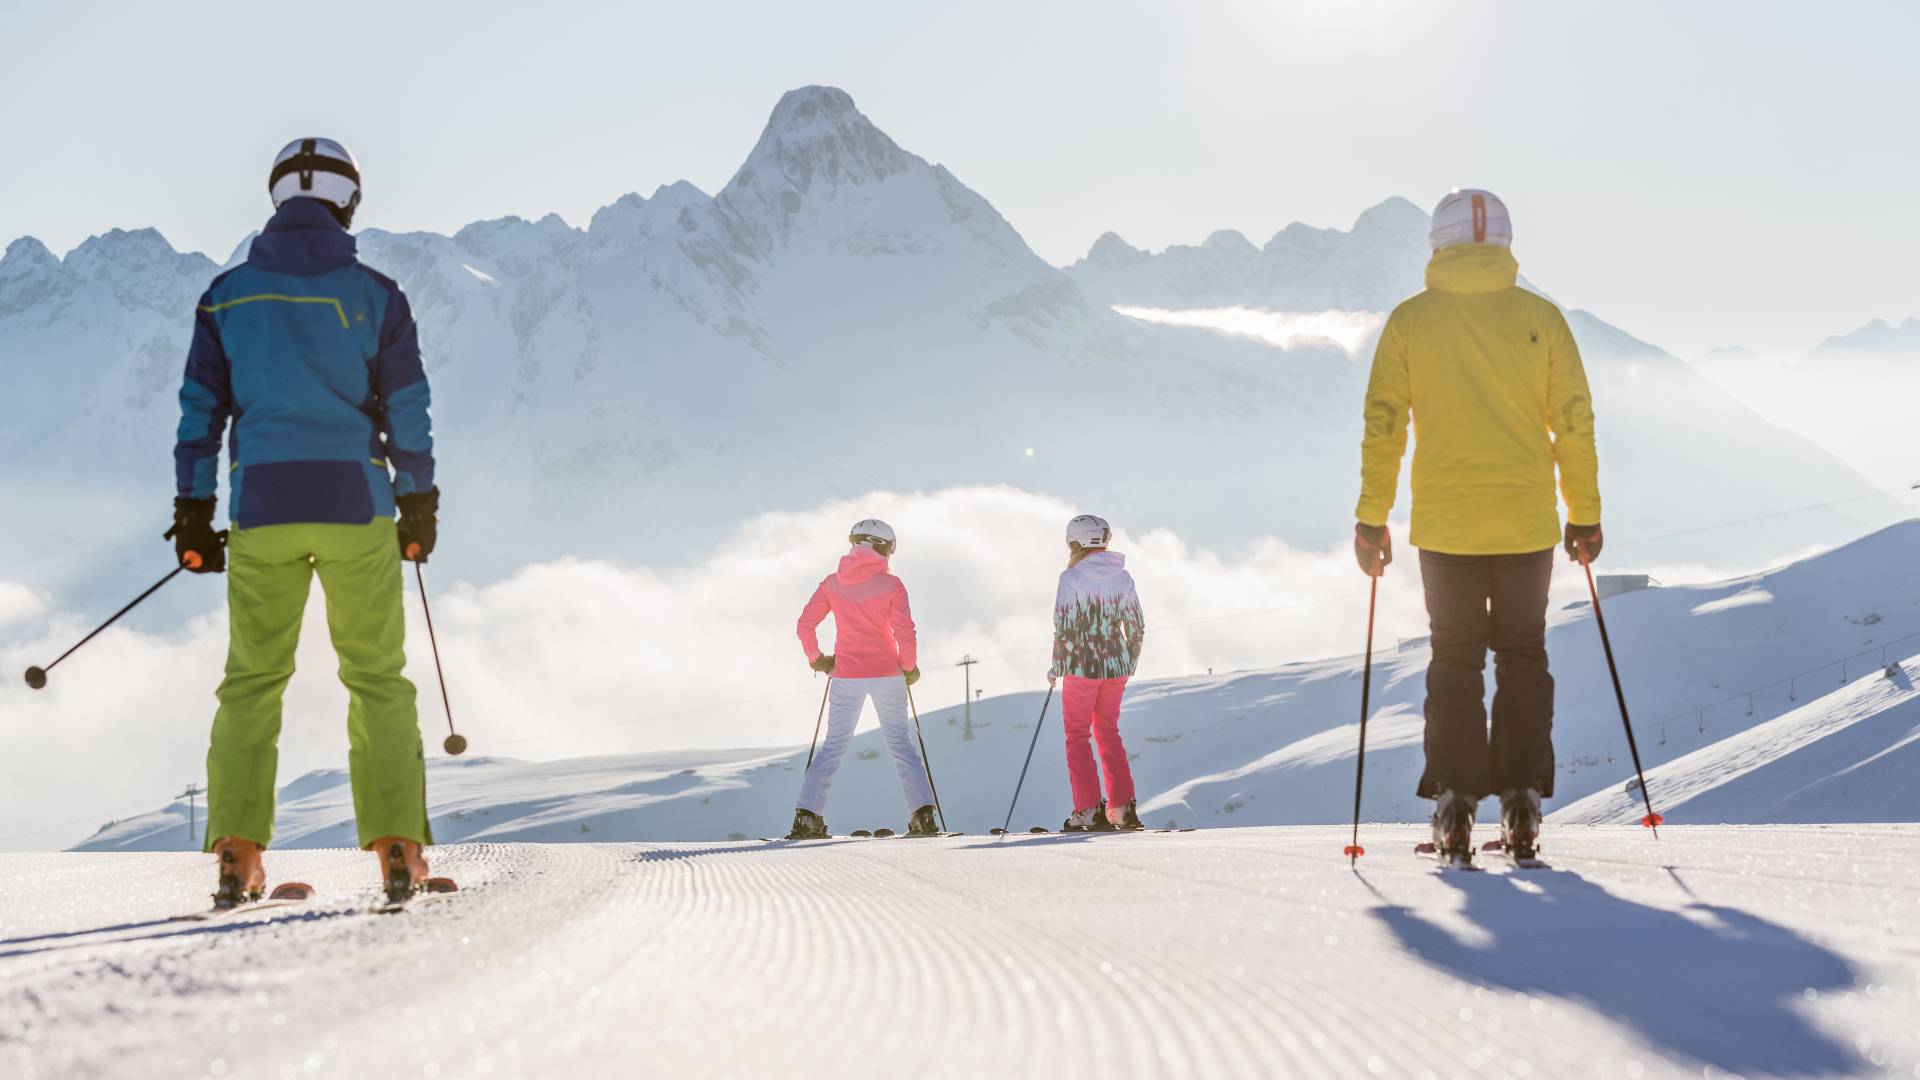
(926, 761)
(1023, 766)
(456, 743)
(816, 724)
(1652, 820)
(1354, 850)
(37, 676)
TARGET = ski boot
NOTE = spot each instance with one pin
(405, 869)
(242, 879)
(1453, 815)
(1091, 819)
(922, 823)
(807, 825)
(1129, 820)
(1520, 823)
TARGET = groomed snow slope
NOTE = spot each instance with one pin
(1229, 952)
(1850, 756)
(1268, 747)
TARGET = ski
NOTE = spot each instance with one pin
(285, 895)
(1530, 862)
(435, 888)
(1038, 831)
(1446, 862)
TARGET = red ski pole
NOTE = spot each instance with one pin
(1652, 820)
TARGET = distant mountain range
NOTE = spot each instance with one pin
(841, 317)
(1877, 337)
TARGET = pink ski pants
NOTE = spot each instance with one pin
(1094, 705)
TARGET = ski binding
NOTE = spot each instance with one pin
(1447, 862)
(285, 895)
(434, 888)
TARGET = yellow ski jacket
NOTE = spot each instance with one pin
(1498, 396)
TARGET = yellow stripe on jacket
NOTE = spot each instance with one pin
(1492, 379)
(281, 298)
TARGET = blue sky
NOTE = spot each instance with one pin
(1702, 174)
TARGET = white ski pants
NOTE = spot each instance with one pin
(844, 702)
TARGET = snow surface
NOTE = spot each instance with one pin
(1276, 747)
(1235, 952)
(1850, 756)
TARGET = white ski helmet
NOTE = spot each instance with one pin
(1089, 531)
(1470, 216)
(316, 169)
(874, 533)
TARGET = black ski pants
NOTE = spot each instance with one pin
(1477, 602)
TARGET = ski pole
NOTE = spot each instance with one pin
(1354, 850)
(926, 761)
(37, 676)
(1023, 766)
(816, 724)
(1652, 820)
(456, 743)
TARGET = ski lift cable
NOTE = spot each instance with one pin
(1747, 694)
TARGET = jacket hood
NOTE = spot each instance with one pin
(861, 564)
(1473, 268)
(1102, 563)
(302, 238)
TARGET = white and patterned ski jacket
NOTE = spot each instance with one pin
(1097, 623)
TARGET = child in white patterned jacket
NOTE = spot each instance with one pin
(1097, 632)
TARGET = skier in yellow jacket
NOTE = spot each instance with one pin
(1492, 379)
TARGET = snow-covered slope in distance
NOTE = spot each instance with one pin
(1230, 952)
(841, 317)
(1849, 756)
(1250, 747)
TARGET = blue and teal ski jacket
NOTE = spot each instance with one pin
(316, 361)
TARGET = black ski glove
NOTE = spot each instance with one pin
(912, 676)
(824, 664)
(1372, 548)
(199, 548)
(418, 525)
(1583, 540)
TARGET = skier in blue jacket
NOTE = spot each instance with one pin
(313, 362)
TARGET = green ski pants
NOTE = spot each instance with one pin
(269, 572)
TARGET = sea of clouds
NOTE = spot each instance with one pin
(575, 657)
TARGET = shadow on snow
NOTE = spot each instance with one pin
(1709, 983)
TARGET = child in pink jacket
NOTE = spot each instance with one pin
(1097, 633)
(875, 656)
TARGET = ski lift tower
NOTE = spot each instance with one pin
(966, 663)
(193, 791)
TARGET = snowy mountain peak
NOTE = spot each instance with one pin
(633, 218)
(24, 255)
(1111, 250)
(1301, 237)
(1394, 217)
(1230, 242)
(118, 250)
(816, 135)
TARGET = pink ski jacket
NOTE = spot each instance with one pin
(872, 626)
